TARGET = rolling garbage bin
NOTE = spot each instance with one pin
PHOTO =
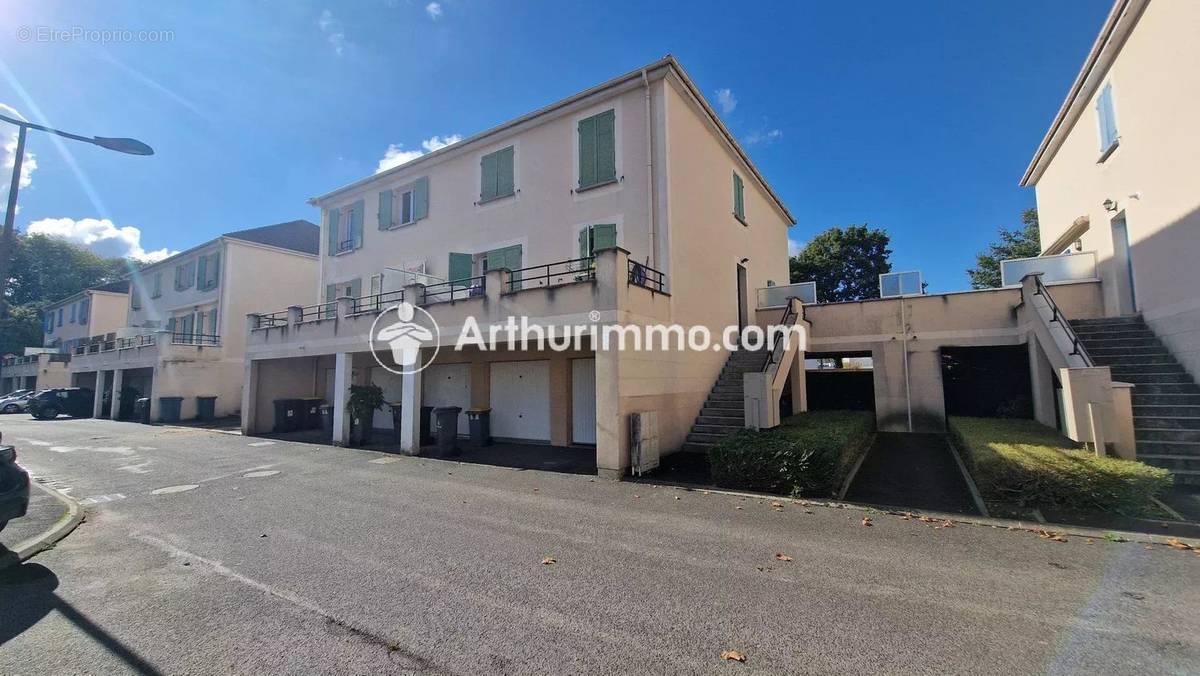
(206, 409)
(326, 412)
(480, 422)
(447, 429)
(287, 415)
(168, 408)
(141, 410)
(310, 413)
(426, 412)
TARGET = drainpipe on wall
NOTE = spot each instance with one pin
(653, 262)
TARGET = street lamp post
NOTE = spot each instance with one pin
(122, 145)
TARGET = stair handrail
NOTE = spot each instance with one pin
(1077, 347)
(788, 319)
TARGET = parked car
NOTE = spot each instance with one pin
(73, 401)
(16, 402)
(14, 487)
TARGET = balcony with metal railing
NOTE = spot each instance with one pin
(144, 349)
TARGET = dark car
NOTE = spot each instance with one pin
(73, 401)
(14, 487)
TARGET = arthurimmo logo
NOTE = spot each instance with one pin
(399, 333)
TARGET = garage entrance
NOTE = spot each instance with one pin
(520, 396)
(840, 381)
(987, 382)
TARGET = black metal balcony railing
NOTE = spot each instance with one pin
(315, 313)
(459, 289)
(345, 246)
(129, 342)
(199, 339)
(552, 274)
(272, 319)
(376, 303)
(647, 277)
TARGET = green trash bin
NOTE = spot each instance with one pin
(287, 415)
(447, 430)
(206, 409)
(168, 409)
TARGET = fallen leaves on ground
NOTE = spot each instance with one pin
(782, 557)
(867, 521)
(777, 505)
(549, 561)
(947, 524)
(1175, 543)
(733, 656)
(1050, 535)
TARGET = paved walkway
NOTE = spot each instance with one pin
(912, 470)
(44, 511)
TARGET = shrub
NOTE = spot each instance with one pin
(1029, 464)
(809, 454)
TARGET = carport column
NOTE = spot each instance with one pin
(410, 412)
(118, 380)
(612, 439)
(342, 372)
(1041, 379)
(250, 396)
(98, 400)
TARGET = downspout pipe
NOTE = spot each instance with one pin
(653, 261)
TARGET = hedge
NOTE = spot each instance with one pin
(1026, 463)
(808, 454)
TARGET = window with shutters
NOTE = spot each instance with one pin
(496, 177)
(74, 310)
(739, 198)
(597, 150)
(156, 285)
(185, 275)
(595, 238)
(209, 271)
(402, 207)
(1106, 119)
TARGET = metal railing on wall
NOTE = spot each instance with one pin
(646, 277)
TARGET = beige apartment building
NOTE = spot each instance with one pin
(181, 337)
(66, 324)
(628, 203)
(1116, 175)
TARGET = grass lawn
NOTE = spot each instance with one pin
(1022, 462)
(808, 454)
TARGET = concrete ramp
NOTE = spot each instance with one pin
(912, 470)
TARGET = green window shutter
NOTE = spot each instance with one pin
(460, 266)
(202, 273)
(385, 209)
(330, 293)
(331, 230)
(604, 236)
(488, 171)
(171, 325)
(356, 223)
(214, 269)
(421, 198)
(157, 284)
(585, 248)
(606, 147)
(587, 152)
(504, 172)
(739, 203)
(356, 288)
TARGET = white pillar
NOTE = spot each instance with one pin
(117, 384)
(98, 402)
(342, 372)
(250, 397)
(410, 412)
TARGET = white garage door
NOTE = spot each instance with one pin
(448, 385)
(583, 401)
(390, 383)
(520, 394)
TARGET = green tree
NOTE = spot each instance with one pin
(845, 264)
(20, 329)
(1023, 242)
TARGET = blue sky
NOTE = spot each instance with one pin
(918, 117)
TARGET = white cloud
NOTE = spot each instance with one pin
(794, 246)
(434, 10)
(28, 164)
(333, 30)
(766, 137)
(395, 155)
(726, 100)
(99, 235)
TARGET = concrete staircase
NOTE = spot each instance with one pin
(724, 412)
(1166, 400)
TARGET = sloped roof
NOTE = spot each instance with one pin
(303, 236)
(119, 286)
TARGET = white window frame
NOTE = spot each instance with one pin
(399, 197)
(1107, 149)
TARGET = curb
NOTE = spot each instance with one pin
(61, 528)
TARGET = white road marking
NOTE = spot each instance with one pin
(263, 443)
(384, 461)
(35, 442)
(174, 489)
(137, 468)
(261, 473)
(97, 499)
(67, 449)
(119, 450)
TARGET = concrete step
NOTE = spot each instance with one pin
(1140, 378)
(1189, 438)
(725, 396)
(724, 420)
(1168, 448)
(1132, 359)
(1165, 411)
(701, 437)
(1175, 463)
(1167, 388)
(1122, 350)
(719, 430)
(1151, 369)
(722, 411)
(1130, 320)
(1187, 478)
(1142, 399)
(1165, 423)
(1104, 342)
(695, 447)
(1087, 334)
(726, 389)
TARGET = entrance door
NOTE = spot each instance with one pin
(1123, 264)
(743, 309)
(520, 395)
(583, 401)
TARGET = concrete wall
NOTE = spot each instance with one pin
(155, 312)
(1150, 176)
(109, 311)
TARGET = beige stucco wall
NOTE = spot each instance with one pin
(156, 311)
(109, 312)
(1151, 175)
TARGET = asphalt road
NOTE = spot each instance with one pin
(299, 558)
